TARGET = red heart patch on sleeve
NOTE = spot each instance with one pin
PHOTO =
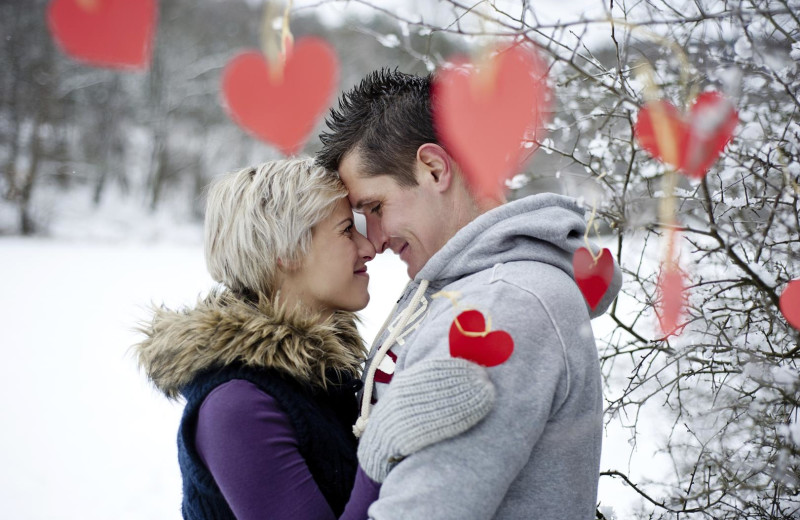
(470, 340)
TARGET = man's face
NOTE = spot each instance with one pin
(406, 220)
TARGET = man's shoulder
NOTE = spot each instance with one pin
(533, 276)
(512, 286)
(537, 278)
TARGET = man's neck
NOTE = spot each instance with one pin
(485, 204)
(466, 208)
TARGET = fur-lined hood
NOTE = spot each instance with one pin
(223, 329)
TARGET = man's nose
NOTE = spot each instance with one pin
(366, 251)
(376, 235)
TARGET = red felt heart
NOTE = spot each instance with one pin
(483, 116)
(488, 350)
(671, 288)
(693, 142)
(593, 278)
(281, 108)
(106, 33)
(790, 303)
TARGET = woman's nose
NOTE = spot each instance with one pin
(365, 248)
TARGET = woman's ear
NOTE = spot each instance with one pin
(435, 165)
(287, 266)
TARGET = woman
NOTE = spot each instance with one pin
(269, 363)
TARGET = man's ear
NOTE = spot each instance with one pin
(436, 165)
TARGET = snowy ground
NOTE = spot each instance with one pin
(84, 437)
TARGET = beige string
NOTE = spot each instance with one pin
(453, 296)
(369, 381)
(275, 51)
(89, 5)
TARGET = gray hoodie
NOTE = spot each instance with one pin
(537, 453)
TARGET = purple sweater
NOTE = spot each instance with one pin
(250, 448)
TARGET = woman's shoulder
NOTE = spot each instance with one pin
(239, 401)
(239, 410)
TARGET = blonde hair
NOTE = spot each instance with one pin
(262, 214)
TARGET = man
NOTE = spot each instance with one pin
(537, 453)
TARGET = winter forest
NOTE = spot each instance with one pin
(676, 123)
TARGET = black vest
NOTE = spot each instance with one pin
(322, 420)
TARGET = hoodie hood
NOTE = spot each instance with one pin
(223, 329)
(544, 228)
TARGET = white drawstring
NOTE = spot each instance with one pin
(366, 399)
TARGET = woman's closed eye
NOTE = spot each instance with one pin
(349, 229)
(376, 209)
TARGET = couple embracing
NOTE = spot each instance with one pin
(287, 416)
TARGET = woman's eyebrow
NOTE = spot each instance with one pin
(348, 219)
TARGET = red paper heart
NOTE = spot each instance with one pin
(281, 108)
(690, 143)
(790, 303)
(483, 117)
(671, 288)
(106, 33)
(593, 278)
(488, 350)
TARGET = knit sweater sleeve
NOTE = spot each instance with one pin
(249, 446)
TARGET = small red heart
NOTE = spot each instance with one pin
(105, 33)
(790, 303)
(690, 143)
(671, 288)
(593, 277)
(488, 350)
(281, 108)
(483, 117)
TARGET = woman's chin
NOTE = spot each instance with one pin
(357, 303)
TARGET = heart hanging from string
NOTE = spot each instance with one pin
(105, 33)
(689, 142)
(484, 115)
(471, 339)
(280, 102)
(671, 298)
(790, 303)
(593, 275)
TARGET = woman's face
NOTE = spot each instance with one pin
(333, 276)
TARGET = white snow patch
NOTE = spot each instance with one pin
(795, 52)
(389, 40)
(743, 48)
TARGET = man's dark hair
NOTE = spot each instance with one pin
(387, 117)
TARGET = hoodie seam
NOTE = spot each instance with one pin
(495, 267)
